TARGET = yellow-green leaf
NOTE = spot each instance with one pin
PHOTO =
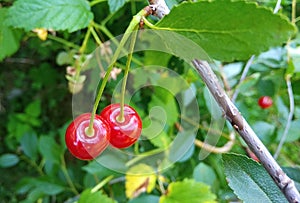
(188, 191)
(140, 178)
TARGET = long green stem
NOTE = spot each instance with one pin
(128, 62)
(101, 184)
(86, 38)
(64, 42)
(113, 39)
(93, 3)
(67, 176)
(132, 26)
(33, 164)
(95, 36)
(144, 155)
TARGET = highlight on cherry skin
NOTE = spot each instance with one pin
(82, 145)
(123, 133)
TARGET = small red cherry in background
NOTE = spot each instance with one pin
(265, 102)
(83, 146)
(122, 133)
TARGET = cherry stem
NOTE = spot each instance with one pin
(131, 27)
(121, 118)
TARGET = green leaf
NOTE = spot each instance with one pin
(34, 108)
(246, 87)
(293, 173)
(266, 87)
(8, 160)
(68, 15)
(48, 187)
(115, 5)
(96, 168)
(181, 146)
(145, 199)
(88, 196)
(161, 140)
(165, 100)
(204, 173)
(264, 131)
(188, 191)
(223, 29)
(42, 186)
(29, 144)
(293, 133)
(250, 181)
(212, 105)
(9, 38)
(49, 149)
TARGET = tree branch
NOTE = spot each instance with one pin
(233, 115)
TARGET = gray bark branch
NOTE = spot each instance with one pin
(285, 184)
(233, 115)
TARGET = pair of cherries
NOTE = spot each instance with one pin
(107, 129)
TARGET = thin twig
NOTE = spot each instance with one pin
(277, 7)
(250, 61)
(243, 77)
(289, 120)
(218, 150)
(291, 96)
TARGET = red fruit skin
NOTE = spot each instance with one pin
(82, 146)
(122, 134)
(265, 102)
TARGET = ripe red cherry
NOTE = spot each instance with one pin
(83, 146)
(265, 102)
(122, 133)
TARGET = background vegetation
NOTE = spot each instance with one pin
(35, 109)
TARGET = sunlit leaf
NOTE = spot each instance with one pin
(8, 160)
(88, 196)
(250, 181)
(115, 5)
(68, 15)
(9, 38)
(223, 30)
(188, 191)
(140, 178)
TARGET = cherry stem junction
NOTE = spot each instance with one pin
(131, 27)
(121, 118)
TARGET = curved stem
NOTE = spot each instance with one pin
(218, 150)
(289, 120)
(216, 131)
(144, 155)
(93, 3)
(64, 42)
(243, 77)
(85, 40)
(290, 93)
(67, 176)
(101, 184)
(33, 164)
(277, 7)
(113, 39)
(96, 37)
(120, 118)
